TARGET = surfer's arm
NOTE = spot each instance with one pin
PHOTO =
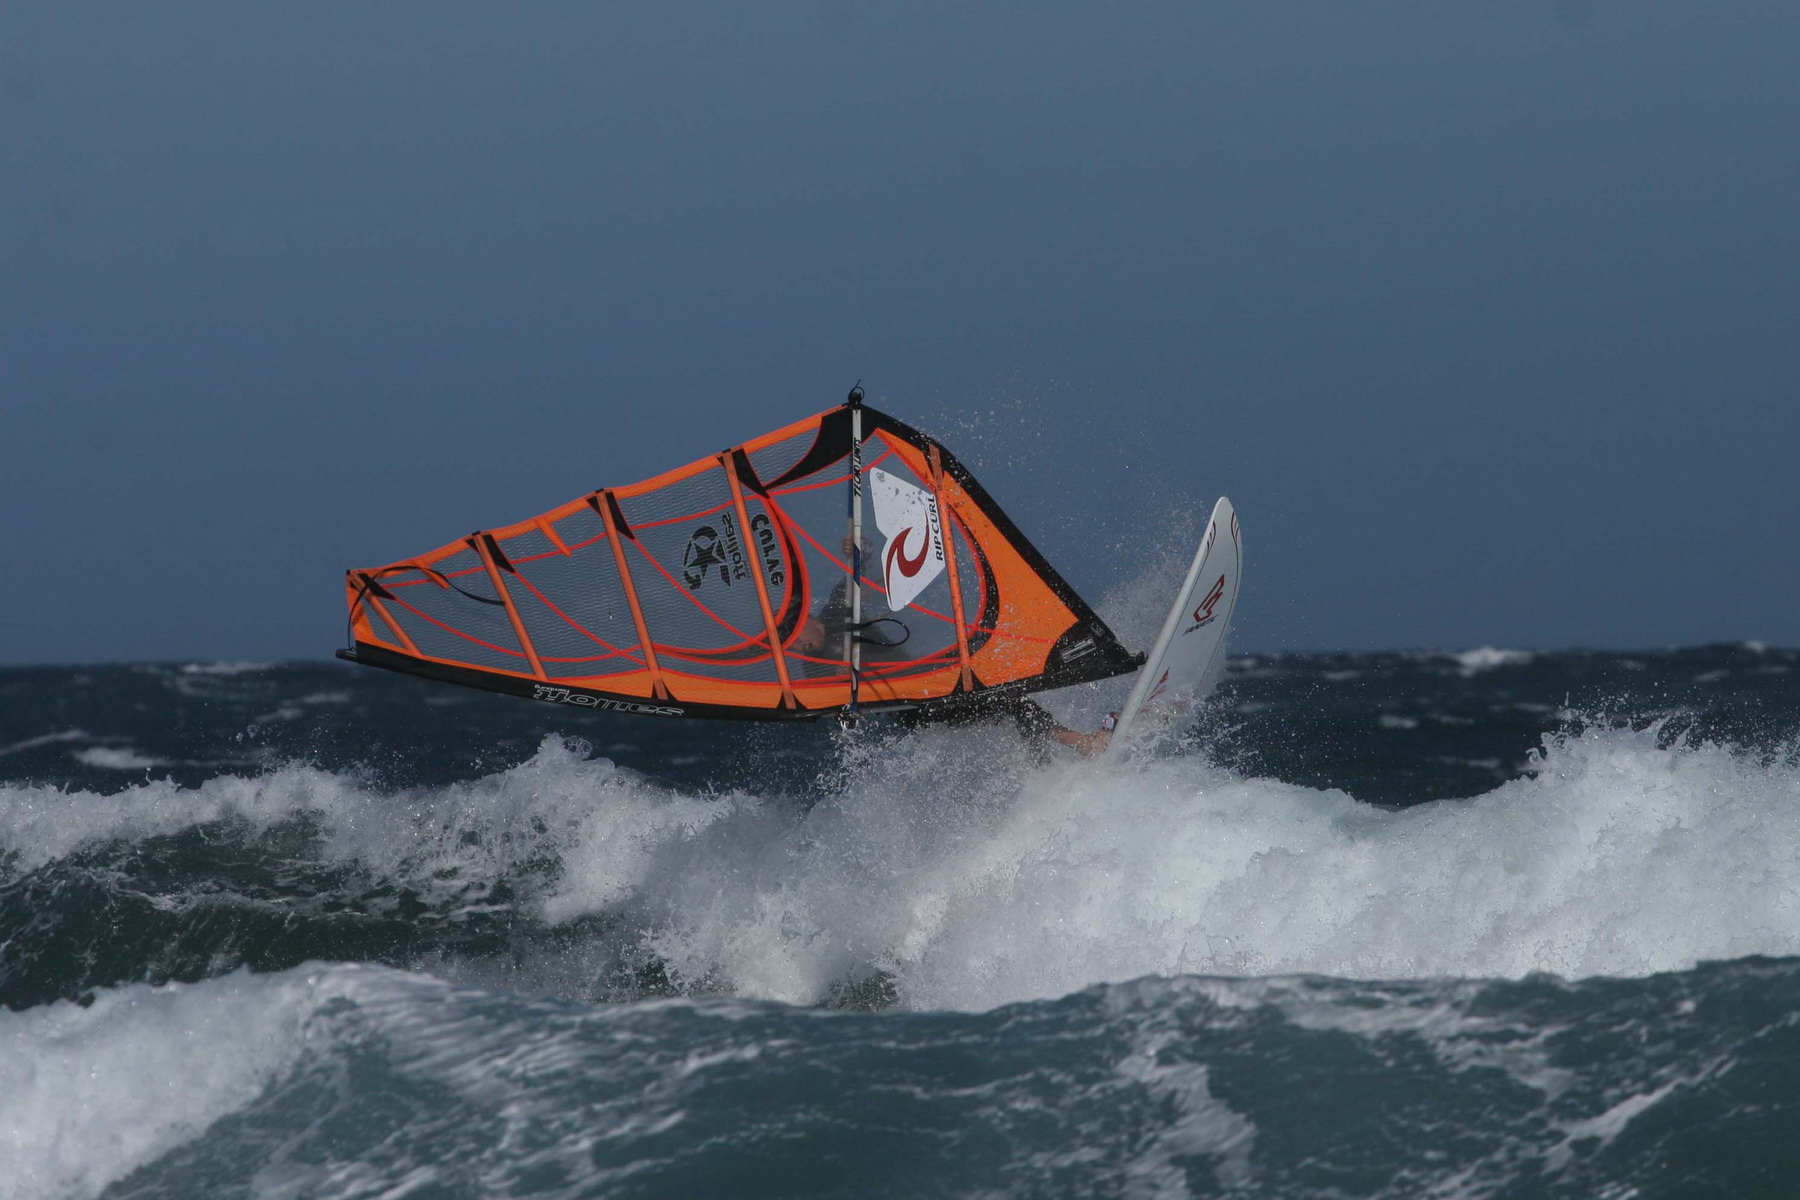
(1087, 744)
(1033, 719)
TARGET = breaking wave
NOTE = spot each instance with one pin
(949, 869)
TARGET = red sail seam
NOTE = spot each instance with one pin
(405, 638)
(657, 687)
(838, 482)
(756, 577)
(693, 516)
(915, 607)
(576, 625)
(459, 633)
(688, 596)
(671, 652)
(797, 575)
(945, 522)
(516, 559)
(428, 579)
(482, 547)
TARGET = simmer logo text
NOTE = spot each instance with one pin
(562, 695)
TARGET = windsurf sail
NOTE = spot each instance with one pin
(726, 588)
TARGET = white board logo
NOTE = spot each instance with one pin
(914, 554)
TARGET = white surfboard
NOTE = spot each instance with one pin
(1189, 654)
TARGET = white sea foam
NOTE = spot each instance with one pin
(46, 739)
(973, 875)
(117, 758)
(1618, 858)
(1486, 658)
(41, 824)
(557, 798)
(1201, 1127)
(89, 1093)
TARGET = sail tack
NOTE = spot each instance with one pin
(719, 590)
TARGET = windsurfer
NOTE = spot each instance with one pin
(821, 637)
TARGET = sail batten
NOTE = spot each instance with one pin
(615, 526)
(724, 588)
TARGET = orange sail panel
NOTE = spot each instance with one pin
(719, 590)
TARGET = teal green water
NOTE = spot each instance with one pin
(1379, 925)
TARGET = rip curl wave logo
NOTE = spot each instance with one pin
(896, 555)
(905, 512)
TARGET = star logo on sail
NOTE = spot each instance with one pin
(707, 548)
(703, 553)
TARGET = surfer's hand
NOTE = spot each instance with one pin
(1090, 744)
(1085, 744)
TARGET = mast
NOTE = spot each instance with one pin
(852, 640)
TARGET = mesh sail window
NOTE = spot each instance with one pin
(720, 590)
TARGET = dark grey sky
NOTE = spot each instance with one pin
(1484, 314)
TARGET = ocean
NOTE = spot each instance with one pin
(1483, 923)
